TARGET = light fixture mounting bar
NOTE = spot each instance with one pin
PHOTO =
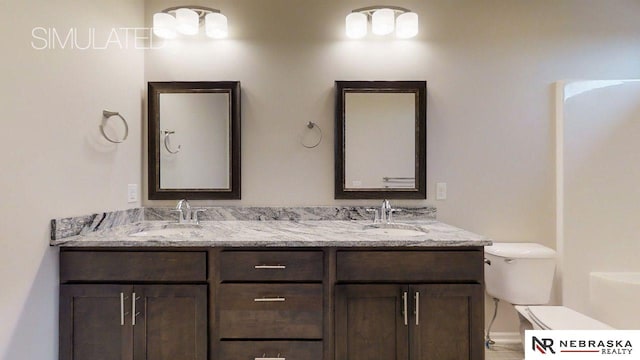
(370, 9)
(201, 10)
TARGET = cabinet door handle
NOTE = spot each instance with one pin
(133, 309)
(417, 298)
(404, 308)
(269, 299)
(263, 357)
(270, 267)
(121, 309)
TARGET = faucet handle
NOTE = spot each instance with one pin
(376, 218)
(194, 214)
(391, 211)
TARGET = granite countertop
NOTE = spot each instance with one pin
(273, 233)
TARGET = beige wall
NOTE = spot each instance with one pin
(53, 161)
(489, 66)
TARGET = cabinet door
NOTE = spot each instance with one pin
(447, 322)
(170, 322)
(93, 322)
(370, 322)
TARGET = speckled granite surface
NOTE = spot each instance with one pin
(72, 226)
(306, 233)
(290, 213)
(322, 226)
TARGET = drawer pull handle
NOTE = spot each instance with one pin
(121, 309)
(417, 313)
(278, 357)
(404, 308)
(270, 267)
(133, 311)
(270, 299)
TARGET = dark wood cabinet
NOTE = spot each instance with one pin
(172, 322)
(97, 322)
(258, 350)
(311, 304)
(369, 322)
(121, 305)
(448, 321)
(270, 311)
(92, 322)
(409, 304)
(401, 322)
(270, 304)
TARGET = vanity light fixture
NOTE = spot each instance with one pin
(384, 20)
(187, 20)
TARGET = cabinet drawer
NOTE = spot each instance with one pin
(289, 350)
(407, 266)
(271, 266)
(270, 311)
(132, 266)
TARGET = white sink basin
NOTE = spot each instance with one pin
(395, 229)
(170, 232)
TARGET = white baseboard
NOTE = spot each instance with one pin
(506, 338)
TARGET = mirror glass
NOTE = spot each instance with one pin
(381, 145)
(194, 140)
(194, 130)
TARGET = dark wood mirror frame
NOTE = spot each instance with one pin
(419, 88)
(154, 91)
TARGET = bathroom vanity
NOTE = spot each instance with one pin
(272, 290)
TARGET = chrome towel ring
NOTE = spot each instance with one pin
(105, 117)
(166, 141)
(311, 125)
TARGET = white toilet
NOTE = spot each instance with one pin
(522, 274)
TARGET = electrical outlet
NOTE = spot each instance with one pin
(441, 191)
(132, 193)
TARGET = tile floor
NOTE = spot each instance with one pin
(505, 352)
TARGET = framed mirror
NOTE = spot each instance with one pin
(381, 140)
(194, 140)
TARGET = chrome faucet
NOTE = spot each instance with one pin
(183, 208)
(384, 211)
(384, 214)
(185, 214)
(387, 211)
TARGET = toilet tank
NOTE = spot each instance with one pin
(519, 273)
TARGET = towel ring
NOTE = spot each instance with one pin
(165, 135)
(105, 116)
(312, 125)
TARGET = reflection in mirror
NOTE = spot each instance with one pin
(377, 119)
(381, 139)
(193, 126)
(194, 140)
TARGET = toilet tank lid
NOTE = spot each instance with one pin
(520, 251)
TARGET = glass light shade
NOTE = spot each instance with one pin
(382, 21)
(216, 26)
(356, 25)
(164, 25)
(407, 25)
(188, 21)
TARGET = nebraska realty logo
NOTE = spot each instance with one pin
(582, 344)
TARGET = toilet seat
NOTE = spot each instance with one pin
(560, 318)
